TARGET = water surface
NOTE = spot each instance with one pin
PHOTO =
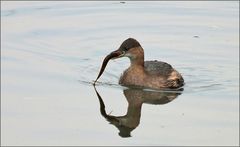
(52, 51)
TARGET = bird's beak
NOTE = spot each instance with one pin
(116, 54)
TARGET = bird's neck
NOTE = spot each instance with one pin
(137, 60)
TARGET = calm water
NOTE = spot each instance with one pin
(52, 51)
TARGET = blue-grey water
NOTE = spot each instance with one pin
(52, 51)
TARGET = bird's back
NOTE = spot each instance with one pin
(164, 73)
(158, 68)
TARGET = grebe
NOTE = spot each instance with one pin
(150, 74)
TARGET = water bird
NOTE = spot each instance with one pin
(150, 74)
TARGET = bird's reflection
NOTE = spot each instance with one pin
(135, 97)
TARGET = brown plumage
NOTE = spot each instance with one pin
(150, 74)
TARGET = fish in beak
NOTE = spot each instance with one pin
(113, 55)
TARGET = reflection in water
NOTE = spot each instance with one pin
(135, 98)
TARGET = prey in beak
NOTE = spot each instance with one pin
(113, 55)
(121, 52)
